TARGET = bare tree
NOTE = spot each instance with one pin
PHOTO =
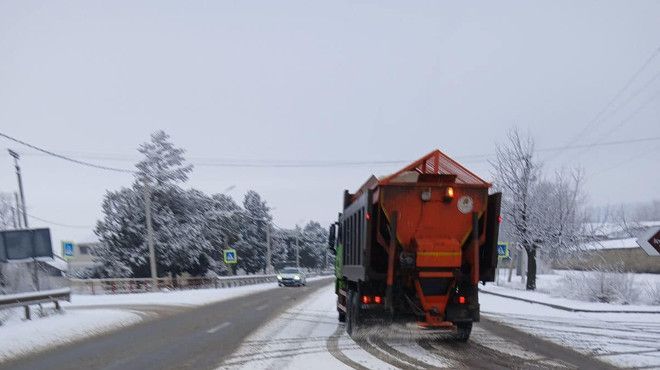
(648, 212)
(565, 214)
(517, 175)
(543, 215)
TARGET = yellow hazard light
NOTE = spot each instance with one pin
(449, 194)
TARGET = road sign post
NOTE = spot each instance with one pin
(650, 241)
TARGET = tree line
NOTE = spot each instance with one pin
(191, 228)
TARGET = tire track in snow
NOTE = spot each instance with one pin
(367, 344)
(332, 344)
(400, 355)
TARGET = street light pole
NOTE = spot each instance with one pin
(150, 235)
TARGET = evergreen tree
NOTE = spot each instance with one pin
(256, 218)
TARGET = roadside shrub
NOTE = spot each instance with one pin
(653, 293)
(601, 286)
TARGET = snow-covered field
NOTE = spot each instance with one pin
(631, 289)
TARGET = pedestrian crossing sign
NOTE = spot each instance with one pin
(230, 256)
(502, 250)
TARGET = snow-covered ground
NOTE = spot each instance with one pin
(18, 337)
(568, 286)
(623, 339)
(195, 297)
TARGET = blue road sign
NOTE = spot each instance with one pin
(67, 248)
(503, 250)
(230, 255)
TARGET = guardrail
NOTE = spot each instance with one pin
(142, 285)
(30, 298)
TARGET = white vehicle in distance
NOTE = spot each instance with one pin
(291, 276)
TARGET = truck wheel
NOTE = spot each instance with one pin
(463, 331)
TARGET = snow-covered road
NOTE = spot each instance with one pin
(308, 336)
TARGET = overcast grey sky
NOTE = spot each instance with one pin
(301, 80)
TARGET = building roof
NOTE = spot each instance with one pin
(614, 230)
(627, 243)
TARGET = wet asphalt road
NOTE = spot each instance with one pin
(197, 338)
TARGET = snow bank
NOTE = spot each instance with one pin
(21, 337)
(571, 287)
(196, 297)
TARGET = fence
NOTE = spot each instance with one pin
(30, 298)
(140, 285)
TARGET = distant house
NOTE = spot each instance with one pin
(615, 247)
(82, 258)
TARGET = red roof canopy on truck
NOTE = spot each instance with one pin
(434, 163)
(438, 163)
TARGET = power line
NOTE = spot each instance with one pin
(88, 164)
(629, 117)
(597, 118)
(628, 160)
(59, 224)
(618, 142)
(243, 163)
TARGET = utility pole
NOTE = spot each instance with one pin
(325, 257)
(150, 234)
(18, 211)
(20, 185)
(297, 250)
(35, 268)
(269, 266)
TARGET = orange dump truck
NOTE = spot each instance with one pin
(413, 246)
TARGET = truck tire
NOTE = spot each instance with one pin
(342, 316)
(463, 331)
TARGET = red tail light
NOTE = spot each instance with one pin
(366, 299)
(461, 300)
(378, 299)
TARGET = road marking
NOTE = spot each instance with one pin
(262, 307)
(216, 328)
